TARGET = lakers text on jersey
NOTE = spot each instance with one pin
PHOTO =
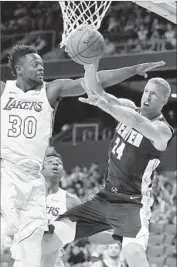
(27, 124)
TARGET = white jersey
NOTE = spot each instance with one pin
(26, 125)
(56, 204)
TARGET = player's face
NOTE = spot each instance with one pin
(32, 69)
(113, 250)
(53, 168)
(152, 99)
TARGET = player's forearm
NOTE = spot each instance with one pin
(111, 98)
(123, 114)
(110, 77)
(131, 118)
(98, 88)
(106, 78)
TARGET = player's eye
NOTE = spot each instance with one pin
(49, 162)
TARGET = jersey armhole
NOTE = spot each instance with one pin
(44, 88)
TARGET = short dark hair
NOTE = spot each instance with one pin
(51, 152)
(16, 53)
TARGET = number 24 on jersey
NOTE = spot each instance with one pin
(118, 148)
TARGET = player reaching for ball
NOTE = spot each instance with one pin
(141, 138)
(27, 108)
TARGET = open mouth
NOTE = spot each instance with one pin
(55, 170)
(146, 104)
(40, 76)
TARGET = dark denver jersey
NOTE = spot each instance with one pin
(132, 158)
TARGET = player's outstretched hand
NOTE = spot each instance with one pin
(94, 100)
(143, 68)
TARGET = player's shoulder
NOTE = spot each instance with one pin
(163, 120)
(62, 191)
(2, 84)
(2, 87)
(72, 200)
(165, 129)
(54, 90)
(162, 123)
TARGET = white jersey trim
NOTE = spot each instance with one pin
(145, 212)
(147, 199)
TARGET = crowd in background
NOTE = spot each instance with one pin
(85, 182)
(164, 208)
(126, 28)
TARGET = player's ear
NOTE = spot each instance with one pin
(18, 69)
(165, 100)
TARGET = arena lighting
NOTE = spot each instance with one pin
(174, 95)
(166, 9)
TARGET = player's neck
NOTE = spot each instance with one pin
(52, 188)
(26, 86)
(150, 116)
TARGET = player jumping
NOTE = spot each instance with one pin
(124, 204)
(141, 138)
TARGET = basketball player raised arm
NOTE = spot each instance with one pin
(67, 87)
(155, 96)
(25, 61)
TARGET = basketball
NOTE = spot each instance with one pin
(85, 45)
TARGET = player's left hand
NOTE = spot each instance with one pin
(143, 68)
(90, 82)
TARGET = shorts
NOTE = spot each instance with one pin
(109, 211)
(23, 199)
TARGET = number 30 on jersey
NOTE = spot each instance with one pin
(118, 149)
(27, 127)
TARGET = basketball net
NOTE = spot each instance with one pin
(81, 13)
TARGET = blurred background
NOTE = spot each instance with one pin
(82, 133)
